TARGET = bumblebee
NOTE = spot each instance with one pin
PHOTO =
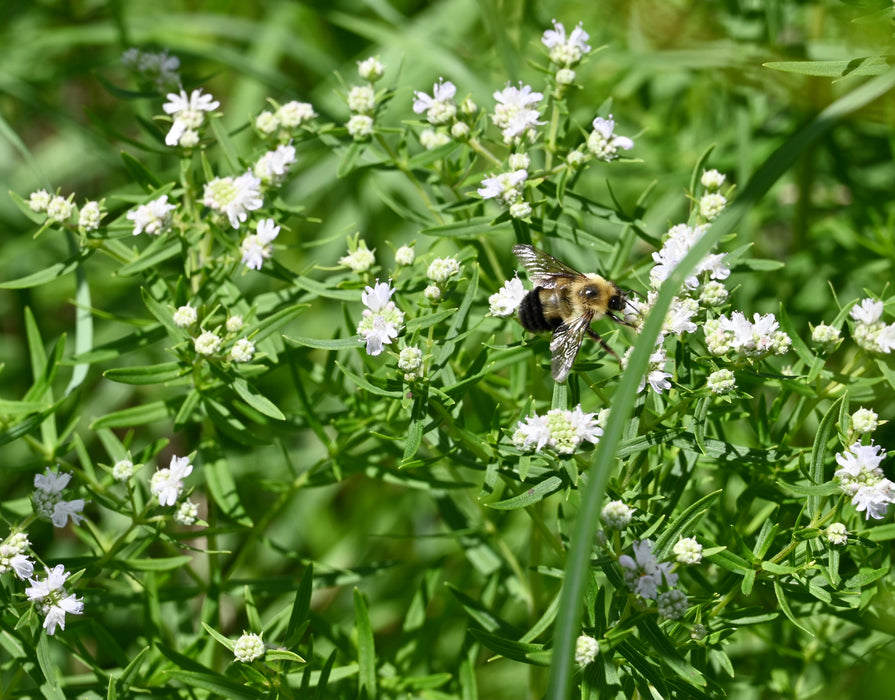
(565, 302)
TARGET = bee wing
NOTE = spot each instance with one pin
(541, 267)
(565, 344)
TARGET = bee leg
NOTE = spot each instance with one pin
(596, 336)
(620, 321)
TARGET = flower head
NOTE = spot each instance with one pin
(442, 269)
(381, 321)
(586, 650)
(514, 115)
(185, 316)
(644, 573)
(861, 477)
(153, 217)
(258, 247)
(273, 166)
(505, 302)
(566, 50)
(51, 599)
(563, 430)
(617, 515)
(688, 551)
(248, 648)
(439, 107)
(359, 258)
(167, 484)
(188, 112)
(47, 499)
(234, 197)
(604, 143)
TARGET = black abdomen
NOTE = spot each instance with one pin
(531, 313)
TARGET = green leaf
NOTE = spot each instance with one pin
(133, 416)
(219, 685)
(508, 648)
(865, 576)
(48, 274)
(536, 493)
(869, 65)
(158, 564)
(147, 374)
(366, 651)
(819, 453)
(784, 606)
(301, 608)
(325, 344)
(683, 524)
(256, 400)
(162, 248)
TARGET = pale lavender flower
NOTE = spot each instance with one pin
(382, 321)
(644, 573)
(273, 166)
(505, 187)
(47, 499)
(861, 478)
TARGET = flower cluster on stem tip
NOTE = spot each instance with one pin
(52, 600)
(167, 484)
(382, 320)
(870, 332)
(188, 115)
(13, 556)
(645, 575)
(248, 647)
(48, 502)
(285, 121)
(159, 69)
(561, 429)
(861, 478)
(362, 100)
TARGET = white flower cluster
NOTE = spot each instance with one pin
(285, 121)
(52, 600)
(751, 339)
(439, 107)
(154, 217)
(47, 499)
(248, 647)
(688, 551)
(836, 533)
(604, 143)
(209, 343)
(359, 258)
(504, 303)
(514, 114)
(361, 100)
(188, 114)
(167, 484)
(656, 375)
(721, 381)
(566, 51)
(864, 420)
(272, 167)
(561, 429)
(161, 70)
(870, 333)
(678, 242)
(827, 337)
(258, 247)
(586, 650)
(861, 478)
(60, 210)
(13, 556)
(441, 273)
(382, 321)
(712, 202)
(234, 197)
(617, 515)
(410, 361)
(508, 187)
